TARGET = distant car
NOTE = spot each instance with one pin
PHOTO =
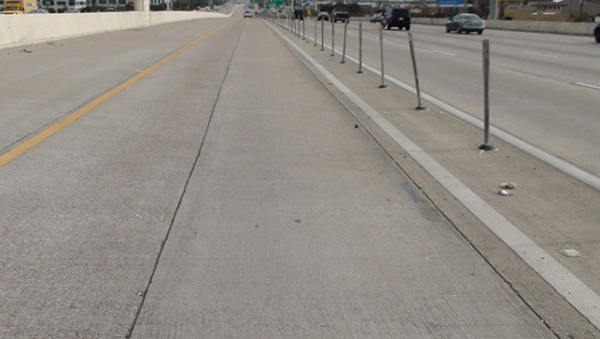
(339, 16)
(396, 17)
(247, 14)
(38, 11)
(597, 33)
(377, 17)
(323, 16)
(465, 22)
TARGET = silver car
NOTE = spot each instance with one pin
(465, 22)
(377, 17)
(323, 16)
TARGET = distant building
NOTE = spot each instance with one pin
(64, 5)
(535, 11)
(74, 6)
(547, 10)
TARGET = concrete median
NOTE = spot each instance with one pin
(19, 30)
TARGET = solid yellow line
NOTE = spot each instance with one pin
(50, 130)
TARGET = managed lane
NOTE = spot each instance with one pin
(297, 224)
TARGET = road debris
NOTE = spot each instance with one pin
(508, 185)
(507, 188)
(571, 253)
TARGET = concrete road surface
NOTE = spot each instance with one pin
(220, 187)
(295, 224)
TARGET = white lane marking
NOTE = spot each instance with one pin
(444, 53)
(542, 55)
(578, 294)
(586, 85)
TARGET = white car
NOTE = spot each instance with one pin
(247, 14)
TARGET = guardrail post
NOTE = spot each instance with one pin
(360, 48)
(486, 98)
(420, 106)
(344, 49)
(383, 85)
(322, 34)
(304, 30)
(332, 37)
(315, 32)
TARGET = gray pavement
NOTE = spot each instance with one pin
(296, 224)
(84, 213)
(234, 193)
(554, 210)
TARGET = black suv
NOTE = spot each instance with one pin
(396, 17)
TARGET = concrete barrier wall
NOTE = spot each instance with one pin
(159, 18)
(19, 30)
(573, 28)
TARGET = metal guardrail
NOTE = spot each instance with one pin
(292, 27)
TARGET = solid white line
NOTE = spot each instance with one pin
(444, 53)
(586, 85)
(542, 55)
(583, 298)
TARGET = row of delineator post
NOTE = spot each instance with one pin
(297, 27)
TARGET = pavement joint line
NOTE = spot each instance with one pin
(550, 159)
(579, 295)
(163, 244)
(47, 132)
